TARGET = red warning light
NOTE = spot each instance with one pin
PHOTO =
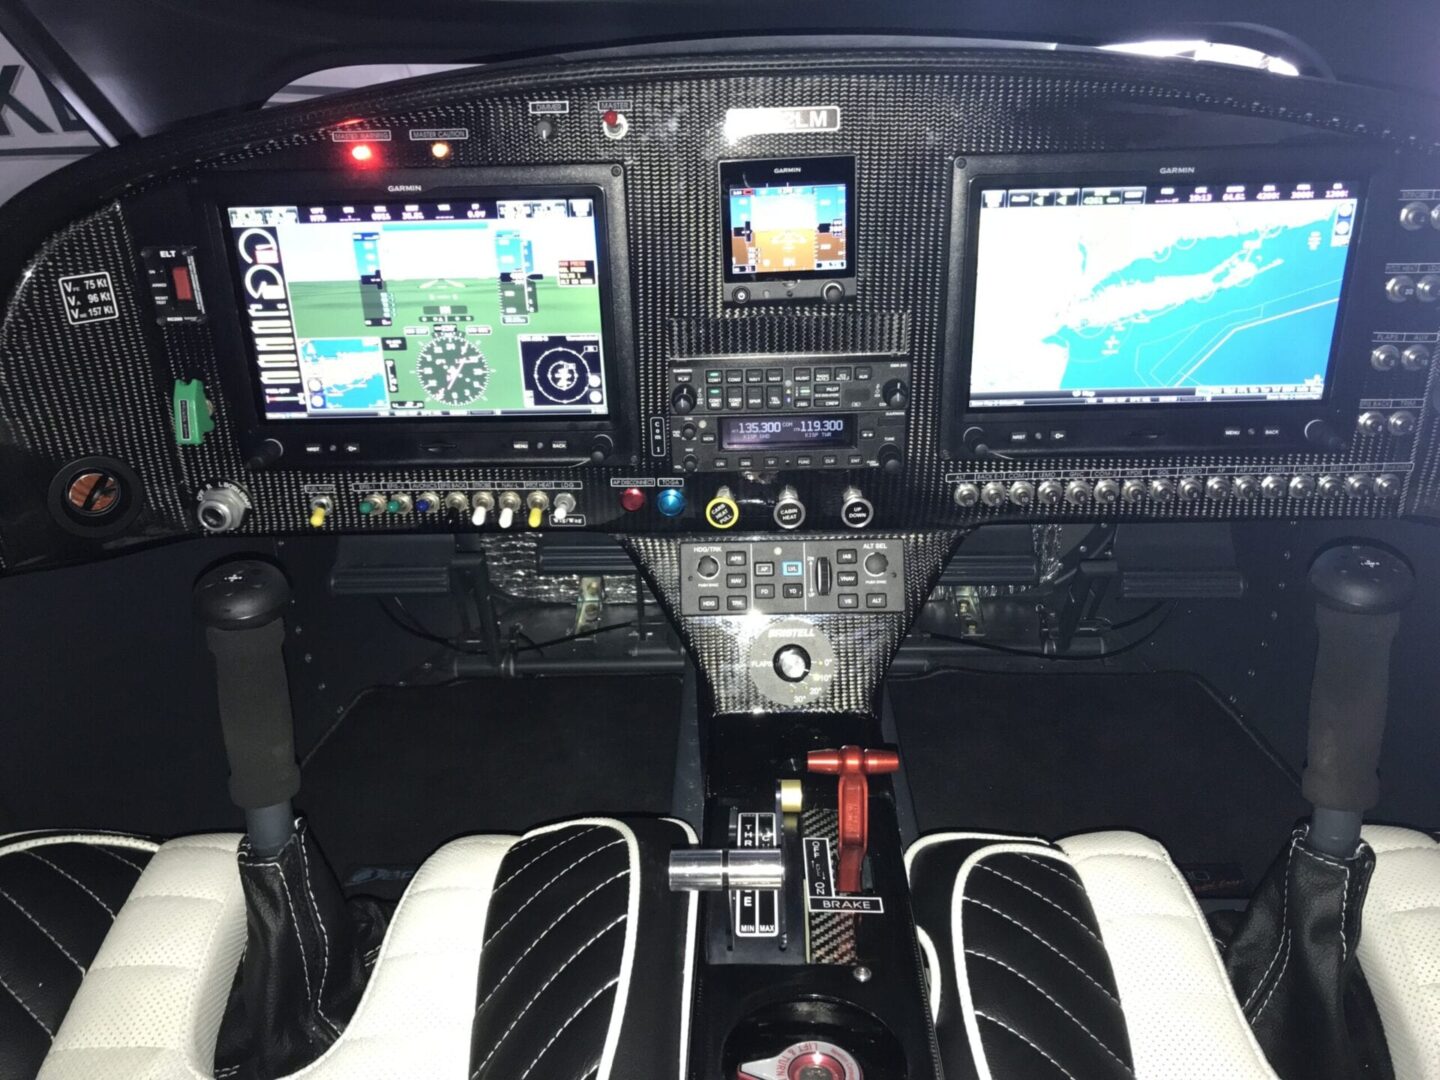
(362, 152)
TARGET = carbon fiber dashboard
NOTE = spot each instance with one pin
(100, 387)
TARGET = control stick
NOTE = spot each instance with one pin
(240, 605)
(1360, 591)
(853, 765)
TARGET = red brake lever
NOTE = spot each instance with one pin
(853, 765)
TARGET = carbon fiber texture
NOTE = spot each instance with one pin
(830, 937)
(864, 642)
(104, 388)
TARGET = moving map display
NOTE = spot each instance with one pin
(476, 307)
(1158, 294)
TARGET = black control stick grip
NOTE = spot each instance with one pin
(1360, 591)
(240, 604)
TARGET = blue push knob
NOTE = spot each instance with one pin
(671, 502)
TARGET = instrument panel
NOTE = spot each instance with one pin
(688, 295)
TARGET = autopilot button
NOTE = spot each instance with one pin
(737, 603)
(792, 568)
(875, 600)
(709, 603)
(848, 600)
(794, 591)
(764, 569)
(765, 592)
(735, 557)
(847, 555)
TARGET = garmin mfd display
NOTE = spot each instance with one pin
(469, 308)
(1157, 293)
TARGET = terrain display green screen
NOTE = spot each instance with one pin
(470, 308)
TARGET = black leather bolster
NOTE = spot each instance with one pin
(1038, 978)
(57, 903)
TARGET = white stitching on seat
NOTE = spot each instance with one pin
(541, 890)
(547, 851)
(1043, 864)
(74, 881)
(1027, 1042)
(554, 923)
(115, 855)
(1069, 960)
(1068, 914)
(571, 1019)
(1048, 997)
(17, 997)
(53, 939)
(536, 996)
(324, 938)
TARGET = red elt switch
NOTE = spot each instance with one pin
(853, 765)
(184, 291)
(632, 499)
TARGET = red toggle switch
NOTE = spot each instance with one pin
(853, 765)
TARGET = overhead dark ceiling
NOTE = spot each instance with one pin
(136, 66)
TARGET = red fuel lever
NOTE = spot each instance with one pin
(853, 765)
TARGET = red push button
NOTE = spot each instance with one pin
(632, 499)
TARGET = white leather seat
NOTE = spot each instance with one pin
(1400, 947)
(1182, 1018)
(150, 1006)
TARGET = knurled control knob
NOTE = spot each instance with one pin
(1050, 492)
(876, 563)
(832, 292)
(1162, 489)
(1191, 488)
(1401, 423)
(682, 401)
(789, 511)
(1219, 487)
(1301, 487)
(891, 460)
(856, 511)
(792, 663)
(1370, 423)
(895, 394)
(1387, 486)
(1078, 492)
(1414, 215)
(707, 566)
(1427, 289)
(1246, 487)
(722, 511)
(1107, 492)
(1384, 357)
(1330, 486)
(967, 495)
(1272, 487)
(1415, 357)
(1132, 491)
(993, 494)
(1358, 485)
(1022, 493)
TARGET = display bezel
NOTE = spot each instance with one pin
(432, 439)
(1124, 426)
(847, 442)
(833, 169)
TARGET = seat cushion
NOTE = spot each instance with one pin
(1400, 947)
(1184, 1019)
(59, 895)
(1086, 959)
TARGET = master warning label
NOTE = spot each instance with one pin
(88, 298)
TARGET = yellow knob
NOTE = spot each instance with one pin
(536, 513)
(317, 516)
(722, 512)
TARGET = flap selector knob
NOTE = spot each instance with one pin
(792, 663)
(966, 495)
(789, 510)
(896, 393)
(1107, 492)
(682, 401)
(722, 512)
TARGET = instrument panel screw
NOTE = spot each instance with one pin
(862, 974)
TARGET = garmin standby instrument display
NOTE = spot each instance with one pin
(788, 223)
(470, 308)
(1157, 294)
